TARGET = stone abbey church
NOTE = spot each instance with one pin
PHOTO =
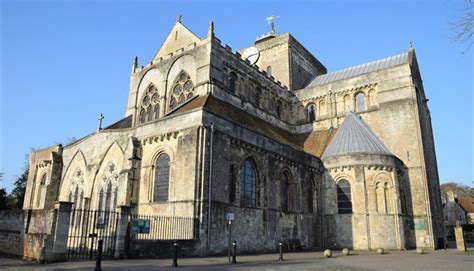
(295, 152)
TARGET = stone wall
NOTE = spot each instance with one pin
(11, 232)
(159, 249)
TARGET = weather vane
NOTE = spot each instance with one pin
(271, 21)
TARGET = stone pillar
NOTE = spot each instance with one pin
(459, 234)
(60, 232)
(123, 236)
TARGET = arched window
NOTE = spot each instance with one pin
(181, 91)
(371, 99)
(161, 180)
(311, 112)
(288, 193)
(269, 71)
(248, 184)
(344, 200)
(360, 102)
(310, 195)
(150, 100)
(285, 182)
(279, 108)
(40, 190)
(232, 81)
(347, 103)
(258, 93)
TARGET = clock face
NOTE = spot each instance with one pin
(251, 54)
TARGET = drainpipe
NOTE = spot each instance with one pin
(209, 191)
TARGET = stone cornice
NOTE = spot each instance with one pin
(253, 148)
(161, 137)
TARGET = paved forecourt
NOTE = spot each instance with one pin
(396, 260)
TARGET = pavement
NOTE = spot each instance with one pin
(449, 260)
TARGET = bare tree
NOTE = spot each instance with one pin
(462, 28)
(460, 189)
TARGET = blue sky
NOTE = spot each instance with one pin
(64, 62)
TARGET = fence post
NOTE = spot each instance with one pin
(175, 254)
(234, 252)
(98, 261)
(280, 250)
(123, 237)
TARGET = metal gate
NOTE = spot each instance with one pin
(86, 227)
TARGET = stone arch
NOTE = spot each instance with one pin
(151, 76)
(322, 107)
(311, 193)
(360, 101)
(110, 172)
(288, 190)
(347, 102)
(383, 187)
(150, 165)
(184, 62)
(77, 163)
(182, 90)
(248, 174)
(371, 97)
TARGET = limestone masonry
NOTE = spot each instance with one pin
(317, 159)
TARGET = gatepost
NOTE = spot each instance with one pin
(60, 231)
(122, 232)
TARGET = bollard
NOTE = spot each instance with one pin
(234, 252)
(280, 251)
(99, 256)
(175, 254)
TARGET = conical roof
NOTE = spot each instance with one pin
(354, 136)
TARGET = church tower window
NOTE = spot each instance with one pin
(248, 184)
(161, 180)
(360, 102)
(311, 112)
(310, 195)
(181, 91)
(344, 200)
(288, 193)
(150, 101)
(233, 82)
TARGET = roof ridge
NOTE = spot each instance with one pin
(352, 71)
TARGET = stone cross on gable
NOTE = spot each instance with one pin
(101, 117)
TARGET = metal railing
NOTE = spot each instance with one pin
(149, 227)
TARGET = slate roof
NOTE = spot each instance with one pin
(354, 136)
(360, 69)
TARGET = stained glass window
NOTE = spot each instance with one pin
(162, 173)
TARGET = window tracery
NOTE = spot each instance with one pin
(107, 196)
(181, 91)
(150, 105)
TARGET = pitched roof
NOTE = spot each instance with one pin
(467, 204)
(354, 136)
(360, 69)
